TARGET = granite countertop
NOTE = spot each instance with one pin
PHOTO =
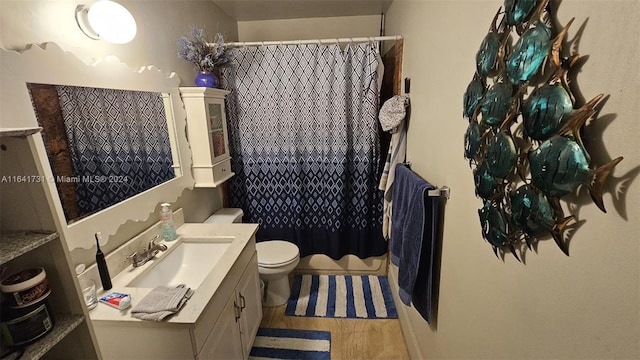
(189, 314)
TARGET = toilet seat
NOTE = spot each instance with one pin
(276, 253)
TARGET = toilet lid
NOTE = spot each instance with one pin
(275, 253)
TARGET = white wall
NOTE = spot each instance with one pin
(554, 306)
(160, 24)
(309, 28)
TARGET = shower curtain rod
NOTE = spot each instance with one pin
(316, 41)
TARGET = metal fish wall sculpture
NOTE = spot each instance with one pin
(523, 141)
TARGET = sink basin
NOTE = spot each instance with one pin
(187, 263)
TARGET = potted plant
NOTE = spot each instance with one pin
(205, 55)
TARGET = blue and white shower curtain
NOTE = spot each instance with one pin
(303, 136)
(119, 143)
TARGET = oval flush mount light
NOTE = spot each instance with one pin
(107, 20)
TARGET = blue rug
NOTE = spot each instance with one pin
(341, 296)
(291, 344)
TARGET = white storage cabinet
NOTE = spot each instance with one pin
(207, 133)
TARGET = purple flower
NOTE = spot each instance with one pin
(205, 55)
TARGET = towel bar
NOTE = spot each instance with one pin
(443, 191)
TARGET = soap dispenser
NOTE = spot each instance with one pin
(168, 227)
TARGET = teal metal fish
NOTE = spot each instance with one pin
(518, 11)
(549, 107)
(495, 227)
(487, 186)
(487, 54)
(559, 166)
(494, 224)
(472, 140)
(529, 53)
(496, 104)
(545, 111)
(490, 48)
(473, 95)
(531, 50)
(533, 213)
(501, 155)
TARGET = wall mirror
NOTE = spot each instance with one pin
(123, 126)
(104, 145)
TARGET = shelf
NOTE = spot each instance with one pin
(64, 324)
(19, 131)
(16, 243)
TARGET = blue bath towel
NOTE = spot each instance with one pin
(413, 245)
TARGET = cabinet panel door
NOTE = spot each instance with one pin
(224, 340)
(250, 301)
(217, 126)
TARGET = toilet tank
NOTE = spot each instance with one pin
(225, 216)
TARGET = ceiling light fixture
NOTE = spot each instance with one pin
(107, 20)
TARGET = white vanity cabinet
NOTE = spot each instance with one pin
(207, 133)
(225, 341)
(219, 321)
(233, 334)
(250, 307)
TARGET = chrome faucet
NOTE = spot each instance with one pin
(148, 254)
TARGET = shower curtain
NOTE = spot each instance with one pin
(119, 143)
(303, 136)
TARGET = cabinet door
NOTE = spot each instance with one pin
(224, 340)
(217, 125)
(250, 301)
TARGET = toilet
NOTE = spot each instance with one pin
(276, 260)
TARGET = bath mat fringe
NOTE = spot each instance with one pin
(341, 296)
(291, 344)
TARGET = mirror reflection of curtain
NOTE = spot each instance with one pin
(304, 145)
(118, 143)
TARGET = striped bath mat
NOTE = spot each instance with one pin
(341, 296)
(291, 344)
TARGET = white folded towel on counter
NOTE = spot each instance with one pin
(161, 302)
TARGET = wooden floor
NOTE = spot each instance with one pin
(351, 339)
